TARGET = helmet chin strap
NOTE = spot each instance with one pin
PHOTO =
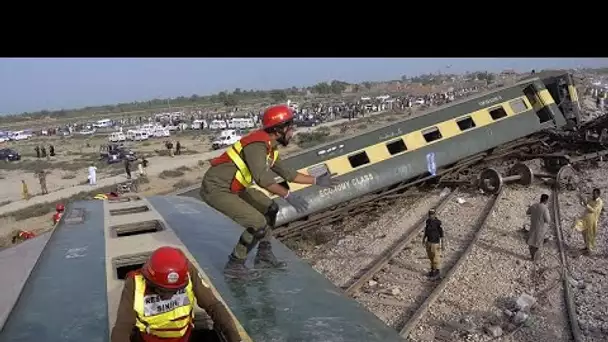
(282, 139)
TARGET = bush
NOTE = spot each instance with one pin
(316, 137)
(171, 174)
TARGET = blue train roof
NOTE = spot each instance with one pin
(73, 290)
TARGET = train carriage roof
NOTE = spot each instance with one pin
(67, 297)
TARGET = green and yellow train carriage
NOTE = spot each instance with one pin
(562, 88)
(413, 147)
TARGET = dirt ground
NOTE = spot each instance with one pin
(73, 156)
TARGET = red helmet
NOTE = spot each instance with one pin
(59, 207)
(167, 268)
(276, 115)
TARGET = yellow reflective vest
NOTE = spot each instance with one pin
(243, 176)
(163, 318)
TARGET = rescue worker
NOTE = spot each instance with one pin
(178, 148)
(101, 197)
(432, 240)
(226, 187)
(25, 193)
(23, 235)
(157, 302)
(59, 208)
(127, 164)
(42, 180)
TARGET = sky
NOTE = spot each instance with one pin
(34, 84)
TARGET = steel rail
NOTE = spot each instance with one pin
(395, 249)
(568, 297)
(424, 307)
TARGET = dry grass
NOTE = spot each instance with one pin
(178, 172)
(182, 183)
(40, 209)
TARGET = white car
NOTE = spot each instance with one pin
(223, 141)
(117, 137)
(21, 136)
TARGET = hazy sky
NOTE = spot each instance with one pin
(45, 83)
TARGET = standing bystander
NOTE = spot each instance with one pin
(588, 223)
(539, 222)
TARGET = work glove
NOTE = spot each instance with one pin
(297, 202)
(325, 180)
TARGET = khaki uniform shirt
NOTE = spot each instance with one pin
(255, 155)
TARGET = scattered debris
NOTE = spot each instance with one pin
(493, 330)
(525, 302)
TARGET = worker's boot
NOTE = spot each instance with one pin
(265, 258)
(235, 268)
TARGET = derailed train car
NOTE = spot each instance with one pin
(65, 286)
(562, 88)
(413, 147)
(417, 146)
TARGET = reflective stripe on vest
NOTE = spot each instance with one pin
(163, 318)
(243, 175)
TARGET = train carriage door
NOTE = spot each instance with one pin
(542, 111)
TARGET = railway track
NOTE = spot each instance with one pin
(382, 222)
(583, 274)
(565, 270)
(402, 266)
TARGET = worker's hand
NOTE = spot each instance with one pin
(325, 180)
(297, 202)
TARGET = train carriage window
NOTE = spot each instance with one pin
(531, 95)
(127, 263)
(396, 146)
(518, 105)
(465, 123)
(498, 113)
(358, 159)
(137, 228)
(431, 134)
(544, 115)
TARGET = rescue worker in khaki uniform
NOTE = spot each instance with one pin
(157, 302)
(433, 241)
(226, 187)
(59, 208)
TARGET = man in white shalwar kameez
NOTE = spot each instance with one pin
(92, 175)
(540, 219)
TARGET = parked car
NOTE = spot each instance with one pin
(9, 154)
(307, 123)
(117, 154)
